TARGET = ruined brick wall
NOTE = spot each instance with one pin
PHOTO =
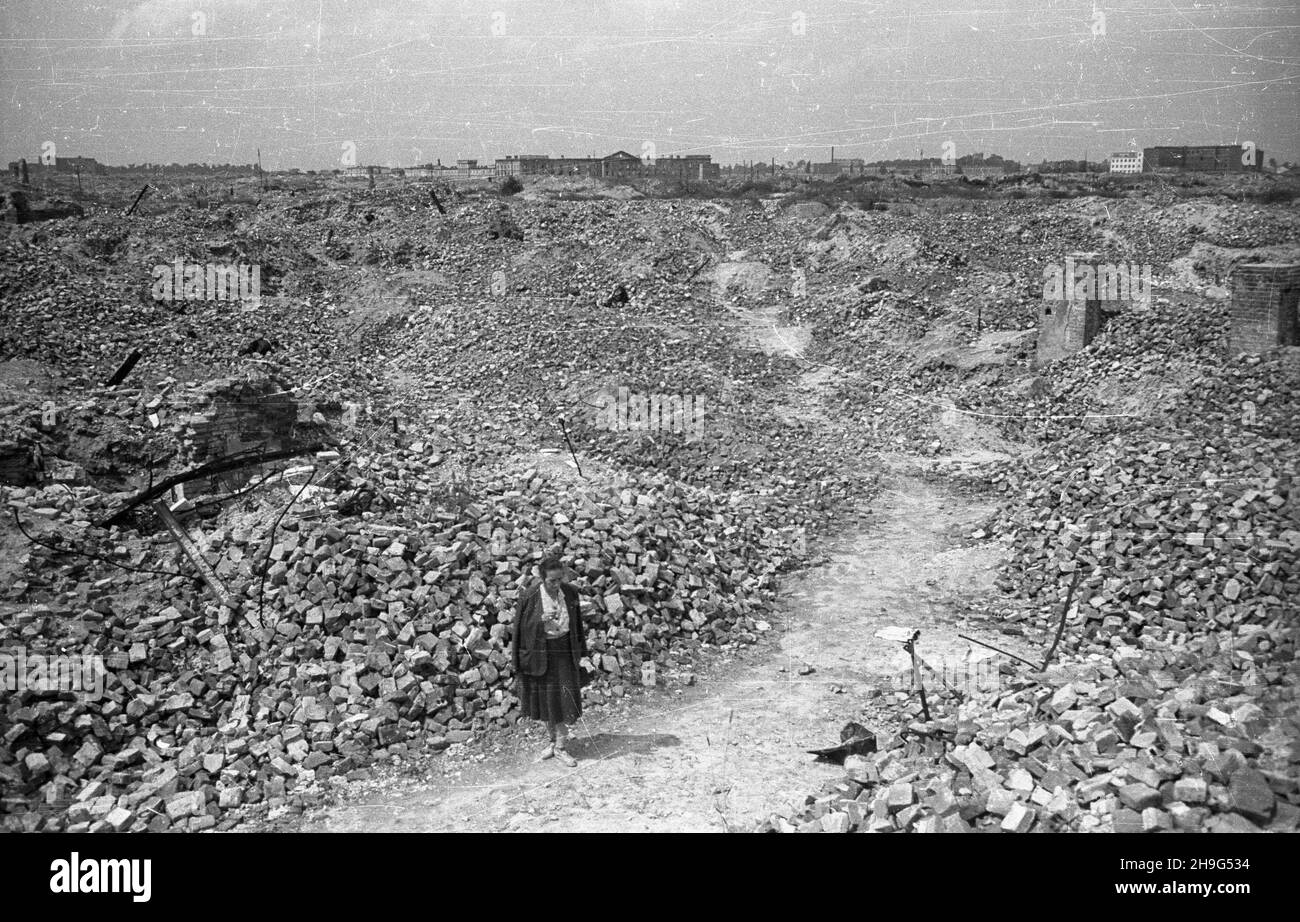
(14, 207)
(229, 415)
(1069, 324)
(1066, 326)
(1263, 313)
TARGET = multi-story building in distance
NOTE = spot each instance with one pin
(84, 165)
(615, 165)
(1212, 158)
(1129, 161)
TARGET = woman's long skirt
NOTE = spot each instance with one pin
(556, 696)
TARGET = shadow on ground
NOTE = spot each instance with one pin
(612, 745)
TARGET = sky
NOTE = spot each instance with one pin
(321, 84)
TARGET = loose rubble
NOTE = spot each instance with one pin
(414, 365)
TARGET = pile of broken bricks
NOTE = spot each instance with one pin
(371, 640)
(1158, 738)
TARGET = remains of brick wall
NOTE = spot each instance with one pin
(1066, 326)
(16, 208)
(19, 463)
(1263, 312)
(235, 414)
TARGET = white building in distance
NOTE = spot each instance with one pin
(1126, 162)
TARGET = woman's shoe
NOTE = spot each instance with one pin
(565, 758)
(547, 752)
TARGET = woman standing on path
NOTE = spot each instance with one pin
(547, 646)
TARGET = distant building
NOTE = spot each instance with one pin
(839, 166)
(687, 167)
(613, 166)
(1129, 161)
(1212, 158)
(88, 166)
(433, 171)
(937, 170)
(546, 165)
(952, 171)
(931, 166)
(971, 166)
(521, 165)
(981, 172)
(468, 170)
(620, 163)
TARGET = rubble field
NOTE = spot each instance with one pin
(292, 522)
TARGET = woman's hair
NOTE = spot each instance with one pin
(549, 563)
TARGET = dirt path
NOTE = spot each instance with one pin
(726, 752)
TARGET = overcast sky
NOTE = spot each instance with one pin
(409, 81)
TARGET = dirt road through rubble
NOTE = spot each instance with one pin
(727, 751)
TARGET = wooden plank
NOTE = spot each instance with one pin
(193, 553)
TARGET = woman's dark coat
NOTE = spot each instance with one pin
(528, 643)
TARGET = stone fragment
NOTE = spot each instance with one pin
(1251, 795)
(1138, 796)
(1018, 819)
(1190, 790)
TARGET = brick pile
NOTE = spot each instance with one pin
(1192, 735)
(373, 638)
